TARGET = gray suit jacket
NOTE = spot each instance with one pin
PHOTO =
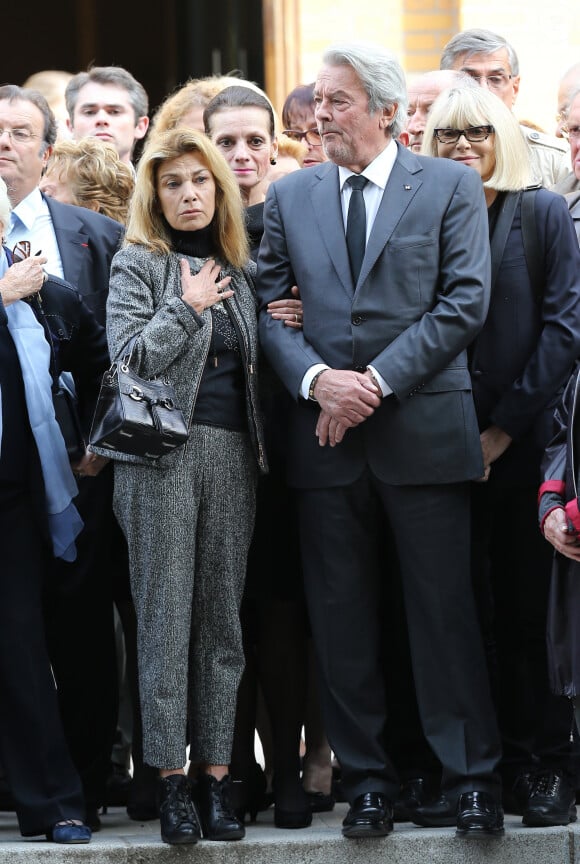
(421, 297)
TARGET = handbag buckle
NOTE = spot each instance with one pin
(136, 393)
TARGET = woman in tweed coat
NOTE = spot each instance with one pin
(183, 284)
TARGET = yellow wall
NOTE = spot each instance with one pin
(545, 34)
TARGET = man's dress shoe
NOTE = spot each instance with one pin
(552, 801)
(479, 814)
(371, 815)
(412, 794)
(441, 813)
(515, 798)
(476, 814)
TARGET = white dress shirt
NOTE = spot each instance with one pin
(30, 220)
(377, 173)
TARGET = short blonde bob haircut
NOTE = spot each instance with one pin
(95, 176)
(462, 107)
(147, 225)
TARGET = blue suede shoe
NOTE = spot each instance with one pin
(69, 832)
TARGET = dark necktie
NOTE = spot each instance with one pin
(356, 225)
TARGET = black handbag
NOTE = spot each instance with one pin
(136, 416)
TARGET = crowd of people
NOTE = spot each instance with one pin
(368, 307)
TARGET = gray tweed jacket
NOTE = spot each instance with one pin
(173, 341)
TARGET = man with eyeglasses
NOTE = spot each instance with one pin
(572, 130)
(491, 61)
(568, 87)
(422, 94)
(79, 246)
(569, 84)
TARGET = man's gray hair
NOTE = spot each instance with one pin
(115, 75)
(477, 41)
(381, 76)
(573, 95)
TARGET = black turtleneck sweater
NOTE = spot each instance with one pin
(221, 399)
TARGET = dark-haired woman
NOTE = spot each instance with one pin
(242, 125)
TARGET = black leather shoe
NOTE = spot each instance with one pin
(320, 803)
(92, 818)
(142, 797)
(552, 801)
(371, 815)
(118, 785)
(479, 815)
(218, 820)
(412, 794)
(441, 813)
(177, 816)
(515, 798)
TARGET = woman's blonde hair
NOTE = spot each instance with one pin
(462, 107)
(198, 93)
(95, 176)
(147, 225)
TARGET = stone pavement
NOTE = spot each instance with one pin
(122, 841)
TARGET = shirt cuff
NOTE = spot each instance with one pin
(307, 380)
(385, 389)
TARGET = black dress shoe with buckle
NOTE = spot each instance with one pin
(441, 813)
(552, 801)
(371, 815)
(412, 794)
(479, 815)
(177, 816)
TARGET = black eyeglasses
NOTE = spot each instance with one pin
(312, 136)
(473, 134)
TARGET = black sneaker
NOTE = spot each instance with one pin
(552, 800)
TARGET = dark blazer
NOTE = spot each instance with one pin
(421, 298)
(87, 242)
(79, 341)
(527, 348)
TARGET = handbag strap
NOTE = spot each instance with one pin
(125, 354)
(531, 241)
(501, 231)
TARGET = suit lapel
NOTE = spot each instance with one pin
(325, 196)
(71, 238)
(403, 184)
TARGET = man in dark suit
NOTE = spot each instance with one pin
(78, 245)
(384, 427)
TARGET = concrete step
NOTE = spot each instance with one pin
(122, 841)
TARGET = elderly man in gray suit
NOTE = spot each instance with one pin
(390, 251)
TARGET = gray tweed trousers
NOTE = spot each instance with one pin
(188, 530)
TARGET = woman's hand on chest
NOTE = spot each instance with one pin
(204, 289)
